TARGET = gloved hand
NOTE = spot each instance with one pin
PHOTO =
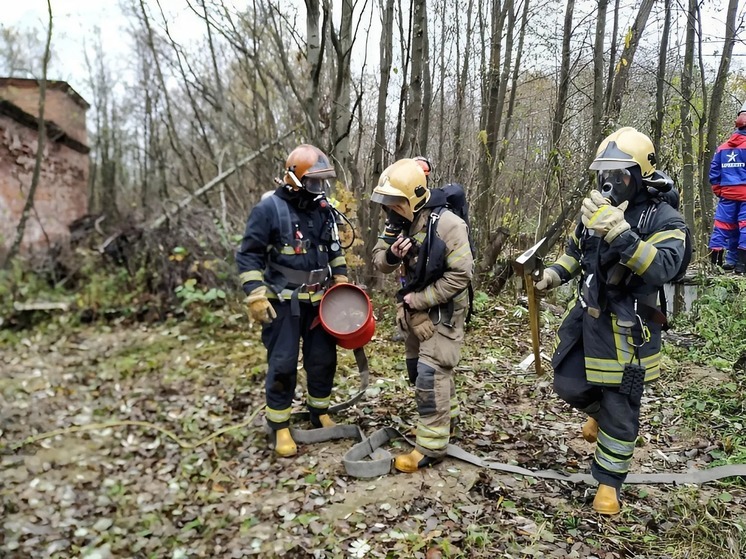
(339, 278)
(549, 280)
(591, 205)
(401, 317)
(421, 326)
(260, 309)
(609, 221)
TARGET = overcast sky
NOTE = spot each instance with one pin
(76, 21)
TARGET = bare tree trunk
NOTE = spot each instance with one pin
(386, 53)
(406, 59)
(427, 84)
(509, 24)
(414, 101)
(558, 121)
(442, 86)
(314, 54)
(612, 53)
(29, 204)
(489, 117)
(621, 77)
(460, 165)
(716, 100)
(660, 109)
(367, 212)
(687, 198)
(514, 83)
(213, 58)
(171, 128)
(598, 72)
(341, 108)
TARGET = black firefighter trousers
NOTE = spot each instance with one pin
(618, 416)
(282, 339)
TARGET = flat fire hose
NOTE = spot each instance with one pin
(367, 458)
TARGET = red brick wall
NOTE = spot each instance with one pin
(59, 107)
(62, 194)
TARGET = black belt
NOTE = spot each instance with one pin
(312, 280)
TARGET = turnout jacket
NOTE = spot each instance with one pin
(616, 314)
(289, 234)
(453, 284)
(728, 168)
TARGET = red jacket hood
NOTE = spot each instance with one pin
(737, 140)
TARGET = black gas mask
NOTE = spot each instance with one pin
(619, 185)
(395, 224)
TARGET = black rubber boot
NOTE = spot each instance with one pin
(716, 257)
(741, 264)
(455, 430)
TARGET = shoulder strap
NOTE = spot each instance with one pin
(646, 217)
(284, 218)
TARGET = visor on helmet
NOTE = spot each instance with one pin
(388, 199)
(315, 185)
(612, 158)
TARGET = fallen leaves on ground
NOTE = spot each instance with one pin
(131, 491)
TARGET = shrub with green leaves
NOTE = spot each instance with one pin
(718, 317)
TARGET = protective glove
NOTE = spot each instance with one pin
(421, 326)
(339, 278)
(549, 280)
(609, 222)
(401, 317)
(591, 205)
(260, 309)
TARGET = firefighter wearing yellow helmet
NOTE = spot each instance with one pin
(432, 250)
(289, 255)
(629, 241)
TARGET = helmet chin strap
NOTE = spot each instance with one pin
(296, 180)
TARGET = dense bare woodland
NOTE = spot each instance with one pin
(508, 98)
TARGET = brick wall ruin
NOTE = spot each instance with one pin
(62, 192)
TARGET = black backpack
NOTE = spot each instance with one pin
(452, 197)
(672, 199)
(455, 195)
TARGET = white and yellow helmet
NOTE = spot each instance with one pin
(403, 188)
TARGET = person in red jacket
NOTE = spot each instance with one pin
(728, 180)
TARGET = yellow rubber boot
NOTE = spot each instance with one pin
(326, 421)
(284, 443)
(323, 420)
(606, 501)
(590, 430)
(415, 460)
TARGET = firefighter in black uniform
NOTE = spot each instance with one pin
(628, 243)
(289, 255)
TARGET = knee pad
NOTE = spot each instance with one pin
(412, 369)
(425, 389)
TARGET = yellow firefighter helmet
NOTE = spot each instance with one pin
(402, 187)
(625, 148)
